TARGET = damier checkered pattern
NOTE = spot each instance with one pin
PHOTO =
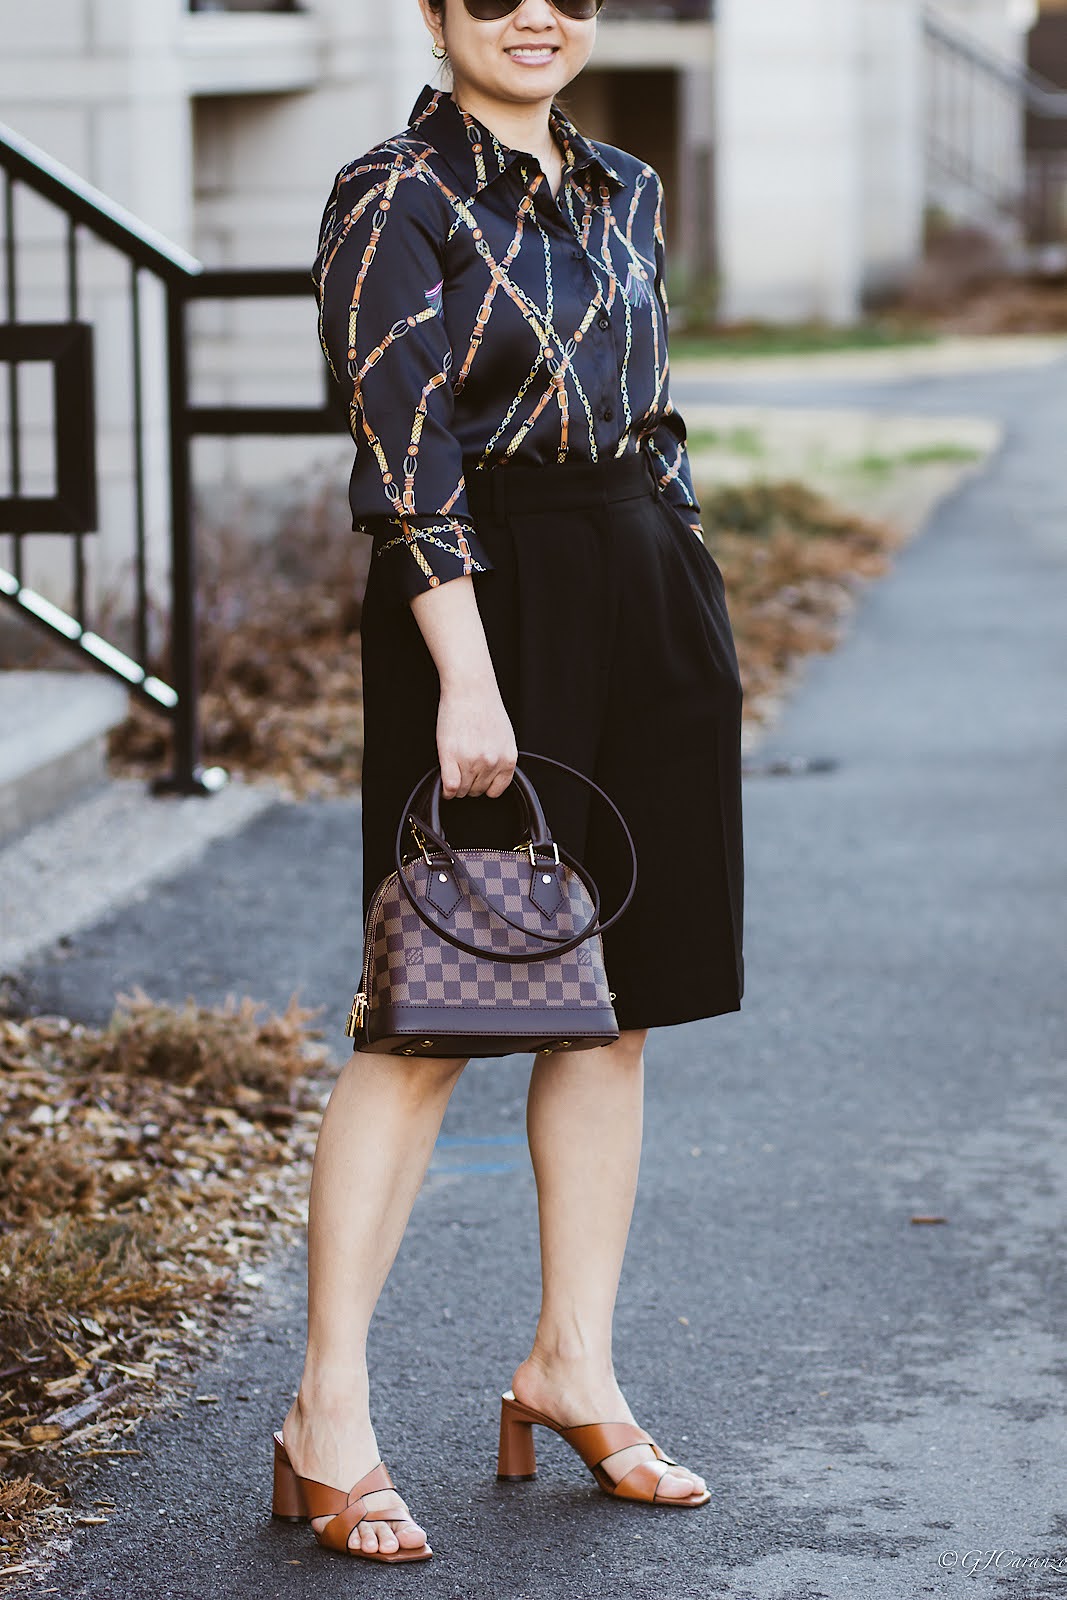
(416, 966)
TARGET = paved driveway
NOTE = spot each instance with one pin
(878, 1404)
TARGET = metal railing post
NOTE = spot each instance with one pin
(182, 279)
(185, 777)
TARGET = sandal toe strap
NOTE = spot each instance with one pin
(339, 1530)
(596, 1441)
(642, 1481)
(347, 1511)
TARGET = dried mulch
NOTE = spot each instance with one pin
(793, 564)
(144, 1169)
(279, 629)
(279, 658)
(1017, 305)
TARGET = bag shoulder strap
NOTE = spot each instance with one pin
(551, 945)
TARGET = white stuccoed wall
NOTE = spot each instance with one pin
(99, 84)
(819, 191)
(891, 140)
(789, 160)
(822, 173)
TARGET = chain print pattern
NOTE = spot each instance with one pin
(432, 242)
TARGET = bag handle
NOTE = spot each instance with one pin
(550, 947)
(540, 839)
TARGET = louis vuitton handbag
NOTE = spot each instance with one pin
(485, 952)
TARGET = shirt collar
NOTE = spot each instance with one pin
(477, 156)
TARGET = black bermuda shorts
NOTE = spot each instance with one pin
(606, 620)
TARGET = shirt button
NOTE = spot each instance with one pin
(605, 323)
(608, 413)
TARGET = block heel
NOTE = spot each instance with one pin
(596, 1443)
(516, 1460)
(288, 1502)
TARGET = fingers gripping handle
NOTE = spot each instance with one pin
(433, 833)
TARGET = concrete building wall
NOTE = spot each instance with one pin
(892, 142)
(824, 115)
(789, 169)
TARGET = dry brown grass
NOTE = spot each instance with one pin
(141, 1166)
(279, 657)
(1016, 305)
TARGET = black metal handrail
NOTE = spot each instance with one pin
(1036, 94)
(183, 280)
(25, 163)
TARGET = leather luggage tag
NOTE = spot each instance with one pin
(546, 888)
(442, 890)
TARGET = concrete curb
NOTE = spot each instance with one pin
(106, 851)
(53, 731)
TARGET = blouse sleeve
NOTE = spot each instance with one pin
(668, 441)
(379, 274)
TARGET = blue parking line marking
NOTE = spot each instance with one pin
(477, 1168)
(454, 1141)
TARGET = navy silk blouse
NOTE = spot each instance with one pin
(474, 320)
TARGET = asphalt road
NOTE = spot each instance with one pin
(878, 1405)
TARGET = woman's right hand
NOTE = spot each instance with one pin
(476, 744)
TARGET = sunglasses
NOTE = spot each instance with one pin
(493, 10)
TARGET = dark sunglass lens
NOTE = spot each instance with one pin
(491, 10)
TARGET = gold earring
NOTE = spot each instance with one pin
(439, 52)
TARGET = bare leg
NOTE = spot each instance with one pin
(584, 1120)
(376, 1139)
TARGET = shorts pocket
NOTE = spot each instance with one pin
(693, 540)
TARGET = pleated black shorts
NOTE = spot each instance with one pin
(607, 625)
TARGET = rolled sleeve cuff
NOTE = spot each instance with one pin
(675, 481)
(425, 552)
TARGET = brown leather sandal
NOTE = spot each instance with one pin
(596, 1443)
(298, 1499)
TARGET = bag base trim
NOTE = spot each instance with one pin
(433, 1031)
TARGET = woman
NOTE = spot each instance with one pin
(492, 297)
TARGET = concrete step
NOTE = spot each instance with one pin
(53, 741)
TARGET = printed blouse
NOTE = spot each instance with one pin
(474, 319)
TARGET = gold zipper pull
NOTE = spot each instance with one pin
(356, 1015)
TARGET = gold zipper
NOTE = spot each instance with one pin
(360, 1001)
(356, 1015)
